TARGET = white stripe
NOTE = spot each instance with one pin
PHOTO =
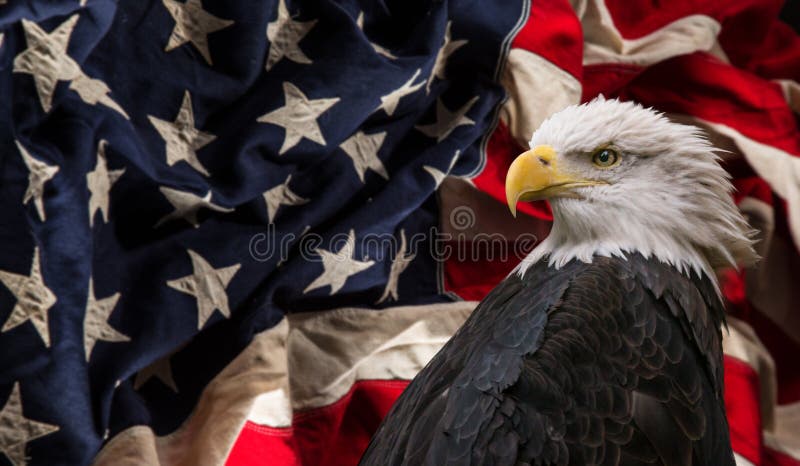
(272, 409)
(329, 351)
(134, 446)
(741, 342)
(208, 434)
(741, 460)
(791, 92)
(784, 438)
(308, 360)
(603, 42)
(537, 88)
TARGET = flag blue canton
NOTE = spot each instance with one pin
(162, 163)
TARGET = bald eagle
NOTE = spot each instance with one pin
(604, 345)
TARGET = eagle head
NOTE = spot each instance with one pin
(622, 178)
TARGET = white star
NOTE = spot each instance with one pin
(94, 91)
(298, 117)
(448, 47)
(34, 299)
(281, 195)
(389, 101)
(400, 264)
(363, 151)
(284, 36)
(46, 59)
(379, 49)
(100, 180)
(95, 324)
(187, 205)
(339, 266)
(161, 369)
(438, 175)
(193, 24)
(447, 121)
(181, 136)
(40, 173)
(208, 285)
(16, 430)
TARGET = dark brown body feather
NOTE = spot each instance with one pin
(618, 362)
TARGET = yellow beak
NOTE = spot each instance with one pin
(534, 175)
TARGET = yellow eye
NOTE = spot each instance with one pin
(605, 158)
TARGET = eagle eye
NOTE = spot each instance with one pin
(605, 158)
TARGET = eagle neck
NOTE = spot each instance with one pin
(583, 241)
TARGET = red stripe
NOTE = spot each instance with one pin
(778, 56)
(753, 187)
(701, 85)
(608, 79)
(778, 458)
(472, 279)
(784, 351)
(781, 347)
(336, 434)
(743, 21)
(553, 32)
(752, 36)
(742, 405)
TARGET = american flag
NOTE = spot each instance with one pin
(232, 231)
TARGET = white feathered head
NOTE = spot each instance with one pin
(623, 178)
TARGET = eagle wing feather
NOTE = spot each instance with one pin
(613, 362)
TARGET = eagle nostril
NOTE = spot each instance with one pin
(544, 161)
